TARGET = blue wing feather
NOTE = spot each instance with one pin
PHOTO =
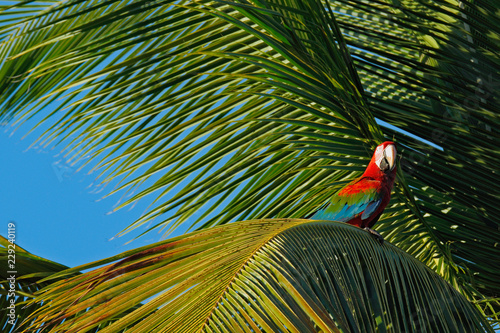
(343, 208)
(371, 208)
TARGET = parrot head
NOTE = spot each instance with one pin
(385, 156)
(383, 162)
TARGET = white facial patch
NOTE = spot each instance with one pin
(379, 155)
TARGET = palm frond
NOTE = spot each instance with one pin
(19, 280)
(264, 275)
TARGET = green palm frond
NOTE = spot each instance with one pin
(230, 110)
(28, 274)
(19, 280)
(259, 276)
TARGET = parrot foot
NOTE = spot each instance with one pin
(376, 235)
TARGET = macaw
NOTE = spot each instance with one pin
(362, 201)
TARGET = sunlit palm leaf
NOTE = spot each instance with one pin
(26, 270)
(267, 275)
(249, 110)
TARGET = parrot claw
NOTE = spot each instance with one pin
(376, 235)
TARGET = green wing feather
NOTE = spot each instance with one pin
(361, 197)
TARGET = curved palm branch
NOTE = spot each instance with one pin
(259, 276)
(259, 109)
(27, 270)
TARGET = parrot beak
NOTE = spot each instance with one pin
(390, 157)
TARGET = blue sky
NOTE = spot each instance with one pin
(56, 214)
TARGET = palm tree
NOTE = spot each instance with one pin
(236, 110)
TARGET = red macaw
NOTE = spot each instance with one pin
(362, 201)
